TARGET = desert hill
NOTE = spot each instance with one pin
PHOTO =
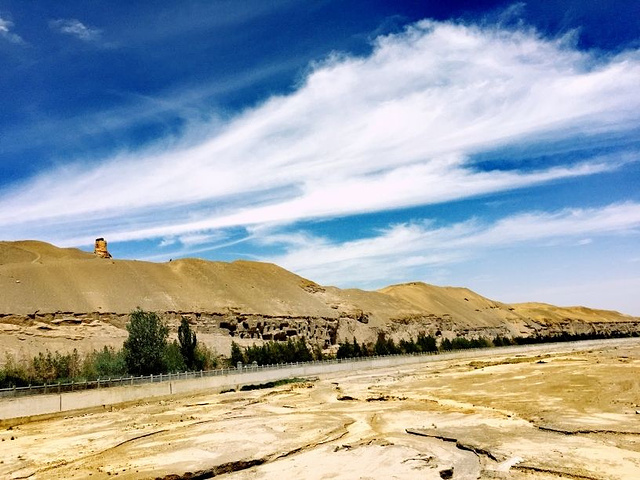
(36, 277)
(60, 297)
(464, 304)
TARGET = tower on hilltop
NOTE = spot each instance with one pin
(100, 248)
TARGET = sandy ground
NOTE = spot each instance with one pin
(543, 416)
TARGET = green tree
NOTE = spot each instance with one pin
(172, 359)
(381, 346)
(426, 343)
(303, 354)
(236, 354)
(407, 346)
(145, 347)
(317, 352)
(188, 344)
(357, 351)
(345, 350)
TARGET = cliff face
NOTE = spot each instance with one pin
(48, 292)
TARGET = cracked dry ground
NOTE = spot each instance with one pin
(561, 415)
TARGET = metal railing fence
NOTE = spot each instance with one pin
(61, 387)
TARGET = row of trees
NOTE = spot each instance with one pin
(461, 343)
(271, 353)
(386, 346)
(146, 351)
(298, 351)
(428, 344)
(569, 337)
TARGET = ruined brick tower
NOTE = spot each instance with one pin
(100, 248)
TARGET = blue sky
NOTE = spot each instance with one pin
(494, 145)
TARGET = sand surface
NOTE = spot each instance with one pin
(60, 299)
(37, 277)
(540, 415)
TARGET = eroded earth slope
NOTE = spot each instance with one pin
(62, 299)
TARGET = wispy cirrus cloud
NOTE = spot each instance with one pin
(6, 27)
(76, 29)
(187, 103)
(412, 250)
(396, 128)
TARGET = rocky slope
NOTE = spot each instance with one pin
(63, 298)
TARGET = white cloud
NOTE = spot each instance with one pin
(75, 28)
(191, 245)
(401, 251)
(194, 239)
(7, 34)
(361, 134)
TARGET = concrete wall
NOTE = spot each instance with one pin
(30, 406)
(35, 405)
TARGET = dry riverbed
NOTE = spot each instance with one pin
(543, 416)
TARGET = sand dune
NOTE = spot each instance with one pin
(36, 276)
(553, 314)
(460, 303)
(251, 301)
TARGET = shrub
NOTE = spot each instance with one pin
(206, 358)
(46, 368)
(14, 373)
(104, 363)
